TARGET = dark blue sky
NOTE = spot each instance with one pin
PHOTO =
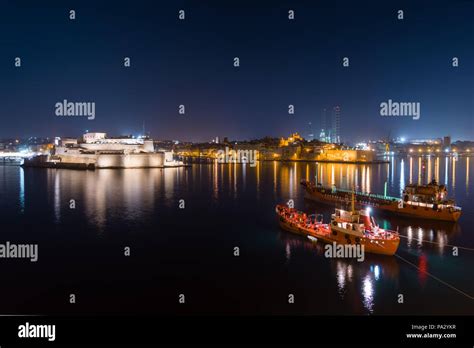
(191, 62)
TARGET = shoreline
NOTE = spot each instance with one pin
(208, 160)
(83, 166)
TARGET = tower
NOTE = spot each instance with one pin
(323, 134)
(447, 142)
(311, 134)
(336, 124)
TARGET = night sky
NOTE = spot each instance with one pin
(190, 62)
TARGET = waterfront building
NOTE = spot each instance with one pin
(98, 151)
(93, 137)
(292, 139)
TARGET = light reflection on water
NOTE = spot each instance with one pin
(360, 279)
(106, 193)
(133, 195)
(368, 293)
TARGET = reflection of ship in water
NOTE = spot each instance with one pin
(355, 280)
(444, 227)
(358, 280)
(429, 235)
(291, 241)
(387, 266)
(421, 201)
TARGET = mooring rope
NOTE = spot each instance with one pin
(445, 245)
(436, 278)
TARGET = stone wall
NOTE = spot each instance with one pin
(135, 160)
(130, 161)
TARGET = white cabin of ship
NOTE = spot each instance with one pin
(347, 222)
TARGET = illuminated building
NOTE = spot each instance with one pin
(294, 138)
(98, 151)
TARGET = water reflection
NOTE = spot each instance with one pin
(22, 190)
(423, 234)
(368, 293)
(234, 178)
(117, 194)
(392, 172)
(275, 178)
(376, 272)
(467, 175)
(446, 171)
(437, 169)
(57, 196)
(402, 176)
(137, 190)
(428, 177)
(409, 236)
(133, 196)
(423, 267)
(360, 281)
(420, 237)
(356, 281)
(455, 159)
(411, 169)
(288, 251)
(419, 171)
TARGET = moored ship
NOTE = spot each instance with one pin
(346, 227)
(419, 201)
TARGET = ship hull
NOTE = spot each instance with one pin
(387, 206)
(339, 236)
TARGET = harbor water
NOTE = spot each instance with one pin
(209, 232)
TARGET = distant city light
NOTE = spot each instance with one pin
(362, 146)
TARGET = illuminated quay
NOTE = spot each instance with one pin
(292, 148)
